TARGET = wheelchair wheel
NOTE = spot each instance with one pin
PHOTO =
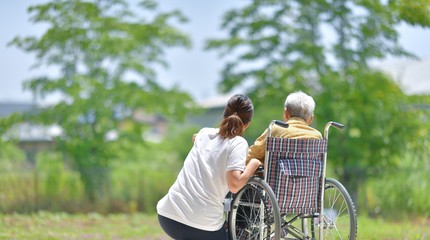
(339, 220)
(254, 212)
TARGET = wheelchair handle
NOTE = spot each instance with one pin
(280, 123)
(337, 125)
(277, 122)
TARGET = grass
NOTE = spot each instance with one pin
(53, 226)
(380, 229)
(80, 226)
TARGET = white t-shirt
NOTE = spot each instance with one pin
(196, 198)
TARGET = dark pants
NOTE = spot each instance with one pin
(179, 231)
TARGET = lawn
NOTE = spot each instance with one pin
(139, 226)
(80, 226)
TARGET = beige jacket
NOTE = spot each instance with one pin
(297, 129)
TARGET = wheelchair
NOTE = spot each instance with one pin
(293, 199)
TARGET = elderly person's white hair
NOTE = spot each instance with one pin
(299, 104)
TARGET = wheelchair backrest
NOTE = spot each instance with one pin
(295, 173)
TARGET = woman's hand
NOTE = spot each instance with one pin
(237, 179)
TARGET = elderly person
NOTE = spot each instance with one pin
(298, 113)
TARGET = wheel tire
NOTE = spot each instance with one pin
(254, 212)
(340, 219)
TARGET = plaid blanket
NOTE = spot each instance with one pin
(295, 170)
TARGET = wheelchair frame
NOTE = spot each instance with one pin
(256, 214)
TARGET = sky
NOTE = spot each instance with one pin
(195, 71)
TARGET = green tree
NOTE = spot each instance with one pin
(325, 48)
(106, 56)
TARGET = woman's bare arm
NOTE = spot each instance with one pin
(237, 179)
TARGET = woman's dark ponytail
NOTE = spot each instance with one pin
(237, 114)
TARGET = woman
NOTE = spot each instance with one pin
(193, 207)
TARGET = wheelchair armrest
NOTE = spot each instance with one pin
(259, 171)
